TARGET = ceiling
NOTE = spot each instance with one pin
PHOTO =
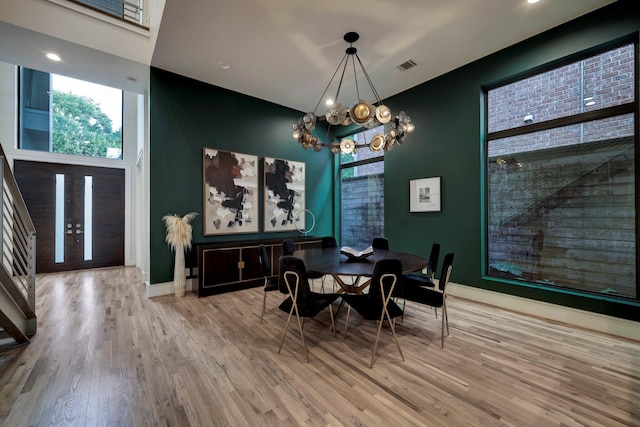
(282, 51)
(286, 51)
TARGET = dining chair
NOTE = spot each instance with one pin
(288, 247)
(270, 283)
(436, 298)
(426, 278)
(327, 242)
(377, 303)
(302, 301)
(380, 243)
(377, 243)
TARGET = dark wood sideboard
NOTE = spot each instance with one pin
(231, 266)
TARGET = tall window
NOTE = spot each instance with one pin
(560, 151)
(362, 193)
(63, 115)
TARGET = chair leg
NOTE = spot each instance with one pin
(333, 324)
(393, 332)
(264, 304)
(392, 325)
(442, 332)
(446, 315)
(346, 323)
(286, 328)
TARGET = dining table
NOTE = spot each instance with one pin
(332, 262)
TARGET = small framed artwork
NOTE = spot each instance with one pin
(424, 195)
(284, 195)
(230, 192)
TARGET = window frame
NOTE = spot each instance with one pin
(579, 118)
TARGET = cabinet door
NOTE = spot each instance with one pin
(220, 266)
(251, 263)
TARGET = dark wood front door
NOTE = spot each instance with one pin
(78, 212)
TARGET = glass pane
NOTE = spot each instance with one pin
(598, 82)
(88, 218)
(60, 223)
(35, 117)
(561, 207)
(362, 210)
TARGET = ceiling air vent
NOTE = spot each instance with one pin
(406, 65)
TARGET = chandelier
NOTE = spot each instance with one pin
(364, 113)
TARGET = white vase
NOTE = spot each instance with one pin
(179, 279)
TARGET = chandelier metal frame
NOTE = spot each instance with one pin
(364, 113)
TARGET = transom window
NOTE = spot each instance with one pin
(560, 152)
(63, 115)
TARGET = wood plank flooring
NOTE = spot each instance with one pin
(105, 355)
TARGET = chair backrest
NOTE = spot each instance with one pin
(385, 267)
(380, 243)
(288, 247)
(296, 265)
(264, 260)
(432, 263)
(445, 273)
(328, 242)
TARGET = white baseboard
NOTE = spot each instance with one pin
(580, 318)
(166, 288)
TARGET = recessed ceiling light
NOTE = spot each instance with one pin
(329, 102)
(533, 1)
(224, 65)
(54, 57)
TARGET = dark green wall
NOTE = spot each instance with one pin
(187, 115)
(448, 143)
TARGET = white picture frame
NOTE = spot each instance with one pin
(424, 195)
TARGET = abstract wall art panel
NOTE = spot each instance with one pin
(230, 192)
(284, 195)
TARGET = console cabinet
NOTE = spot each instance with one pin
(230, 266)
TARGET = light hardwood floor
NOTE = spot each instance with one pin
(105, 355)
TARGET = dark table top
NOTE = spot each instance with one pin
(331, 261)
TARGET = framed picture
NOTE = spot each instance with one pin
(230, 182)
(424, 195)
(284, 195)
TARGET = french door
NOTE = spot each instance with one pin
(78, 213)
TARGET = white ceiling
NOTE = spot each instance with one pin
(282, 51)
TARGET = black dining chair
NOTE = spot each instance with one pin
(270, 283)
(327, 242)
(426, 278)
(302, 301)
(436, 298)
(288, 247)
(380, 243)
(377, 304)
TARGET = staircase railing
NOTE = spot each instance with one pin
(130, 11)
(17, 260)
